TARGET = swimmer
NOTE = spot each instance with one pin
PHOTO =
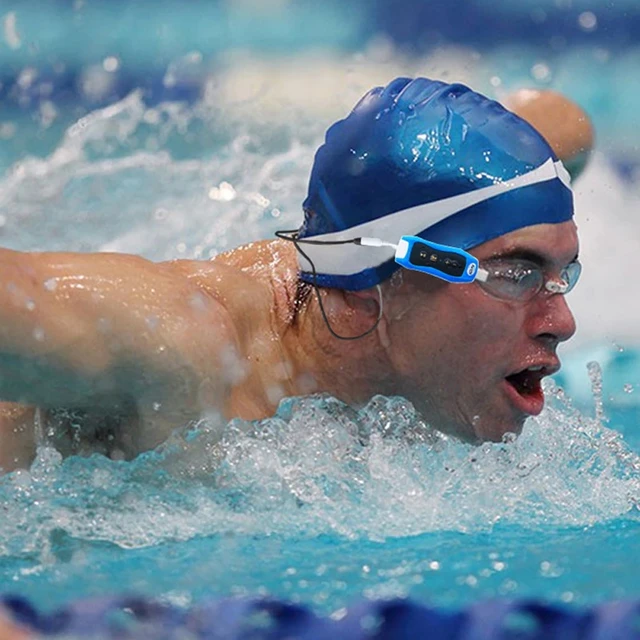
(111, 352)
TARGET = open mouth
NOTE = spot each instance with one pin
(527, 385)
(528, 381)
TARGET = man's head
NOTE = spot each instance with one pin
(472, 360)
(444, 163)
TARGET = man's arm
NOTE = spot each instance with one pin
(92, 329)
(17, 442)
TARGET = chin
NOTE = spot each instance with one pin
(487, 429)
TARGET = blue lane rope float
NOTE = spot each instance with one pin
(267, 619)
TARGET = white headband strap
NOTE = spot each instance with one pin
(350, 259)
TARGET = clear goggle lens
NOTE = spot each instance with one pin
(521, 280)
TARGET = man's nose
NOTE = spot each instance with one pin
(552, 318)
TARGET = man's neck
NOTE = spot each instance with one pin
(350, 370)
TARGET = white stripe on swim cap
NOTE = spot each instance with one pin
(347, 259)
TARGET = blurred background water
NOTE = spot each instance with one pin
(181, 129)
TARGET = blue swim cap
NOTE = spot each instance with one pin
(426, 158)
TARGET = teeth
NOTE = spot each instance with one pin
(538, 368)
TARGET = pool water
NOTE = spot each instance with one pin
(321, 504)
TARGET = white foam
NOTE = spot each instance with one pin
(319, 467)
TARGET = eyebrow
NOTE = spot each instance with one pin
(527, 254)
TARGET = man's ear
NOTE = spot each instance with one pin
(367, 301)
(368, 305)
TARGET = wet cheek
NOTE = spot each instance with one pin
(491, 338)
(492, 325)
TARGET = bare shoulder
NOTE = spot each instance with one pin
(257, 277)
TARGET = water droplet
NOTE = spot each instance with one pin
(38, 334)
(11, 34)
(541, 71)
(508, 586)
(224, 192)
(51, 284)
(338, 614)
(628, 388)
(260, 200)
(595, 376)
(111, 64)
(588, 21)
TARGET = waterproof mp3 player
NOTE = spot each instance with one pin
(449, 263)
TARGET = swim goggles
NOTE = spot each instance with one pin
(504, 278)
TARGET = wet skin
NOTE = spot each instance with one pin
(128, 350)
(455, 345)
(133, 350)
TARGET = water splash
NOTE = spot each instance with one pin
(321, 467)
(122, 179)
(138, 179)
